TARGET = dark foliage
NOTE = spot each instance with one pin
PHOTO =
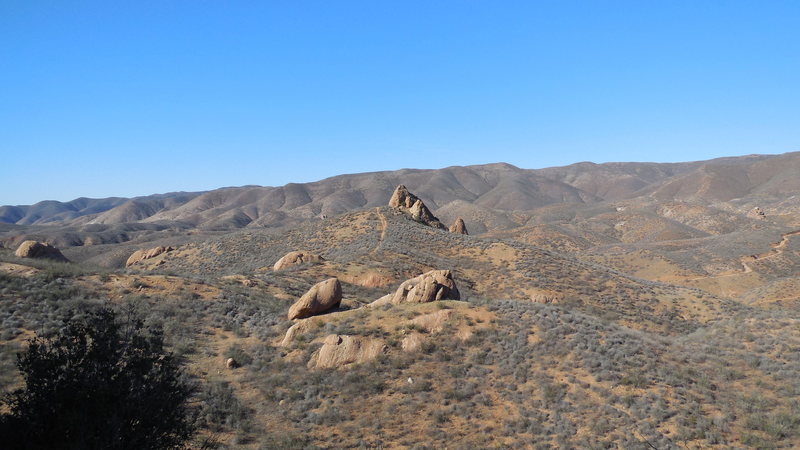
(98, 383)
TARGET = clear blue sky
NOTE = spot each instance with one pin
(125, 98)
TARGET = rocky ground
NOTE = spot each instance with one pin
(630, 325)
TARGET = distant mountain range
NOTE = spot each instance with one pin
(450, 192)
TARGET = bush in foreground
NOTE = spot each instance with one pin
(98, 383)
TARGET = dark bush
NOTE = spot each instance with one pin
(98, 383)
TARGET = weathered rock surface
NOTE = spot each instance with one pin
(321, 297)
(412, 205)
(36, 249)
(141, 255)
(299, 327)
(296, 258)
(401, 198)
(342, 350)
(428, 287)
(459, 226)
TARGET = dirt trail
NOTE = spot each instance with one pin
(384, 225)
(777, 249)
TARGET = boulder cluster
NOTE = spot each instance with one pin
(428, 287)
(413, 206)
(342, 350)
(405, 201)
(36, 249)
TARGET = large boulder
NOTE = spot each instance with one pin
(141, 255)
(412, 205)
(36, 249)
(321, 297)
(428, 287)
(342, 350)
(296, 258)
(459, 226)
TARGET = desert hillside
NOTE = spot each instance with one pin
(620, 305)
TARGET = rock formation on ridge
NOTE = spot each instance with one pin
(412, 205)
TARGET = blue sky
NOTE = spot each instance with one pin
(103, 99)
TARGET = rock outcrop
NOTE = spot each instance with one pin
(413, 206)
(36, 249)
(401, 198)
(321, 297)
(141, 255)
(459, 226)
(546, 297)
(296, 258)
(428, 287)
(342, 350)
(757, 213)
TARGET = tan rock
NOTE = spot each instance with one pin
(412, 205)
(401, 198)
(141, 255)
(231, 363)
(459, 226)
(385, 300)
(321, 297)
(433, 322)
(36, 249)
(428, 287)
(368, 279)
(296, 258)
(341, 350)
(299, 327)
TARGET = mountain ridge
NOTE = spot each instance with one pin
(499, 186)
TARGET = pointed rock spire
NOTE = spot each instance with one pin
(459, 226)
